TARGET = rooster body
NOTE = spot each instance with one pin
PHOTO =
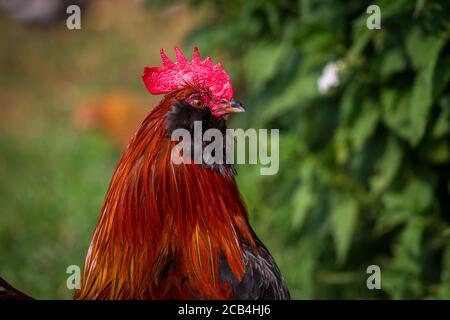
(171, 231)
(178, 231)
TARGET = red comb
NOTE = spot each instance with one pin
(174, 75)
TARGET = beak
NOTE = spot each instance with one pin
(234, 106)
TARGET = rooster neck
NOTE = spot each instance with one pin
(155, 213)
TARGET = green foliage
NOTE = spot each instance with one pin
(364, 172)
(60, 206)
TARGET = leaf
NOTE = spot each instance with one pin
(439, 153)
(442, 126)
(407, 112)
(396, 112)
(361, 38)
(403, 278)
(262, 62)
(273, 17)
(301, 88)
(408, 249)
(303, 201)
(444, 289)
(348, 103)
(420, 4)
(341, 146)
(401, 206)
(343, 222)
(386, 167)
(441, 75)
(423, 48)
(393, 61)
(424, 51)
(394, 8)
(365, 124)
(420, 104)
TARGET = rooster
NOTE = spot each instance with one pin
(178, 231)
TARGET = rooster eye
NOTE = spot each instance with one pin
(197, 103)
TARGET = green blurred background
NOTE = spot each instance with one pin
(364, 164)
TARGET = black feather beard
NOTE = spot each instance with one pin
(182, 115)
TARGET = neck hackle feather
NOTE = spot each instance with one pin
(162, 222)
